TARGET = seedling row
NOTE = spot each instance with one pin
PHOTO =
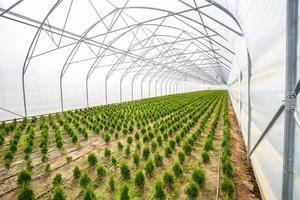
(171, 147)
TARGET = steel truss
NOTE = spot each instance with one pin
(161, 61)
(157, 60)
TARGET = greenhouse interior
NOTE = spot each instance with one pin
(160, 99)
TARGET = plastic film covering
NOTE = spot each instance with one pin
(264, 26)
(59, 55)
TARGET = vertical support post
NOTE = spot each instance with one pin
(171, 87)
(290, 98)
(149, 84)
(166, 87)
(240, 102)
(31, 49)
(155, 90)
(106, 91)
(24, 94)
(142, 89)
(249, 106)
(121, 90)
(161, 87)
(132, 89)
(180, 87)
(61, 97)
(86, 92)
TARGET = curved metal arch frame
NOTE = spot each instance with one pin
(287, 188)
(128, 69)
(73, 53)
(91, 69)
(138, 74)
(142, 83)
(133, 79)
(30, 52)
(131, 29)
(82, 38)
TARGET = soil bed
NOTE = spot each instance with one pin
(245, 182)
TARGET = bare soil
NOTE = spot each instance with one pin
(245, 182)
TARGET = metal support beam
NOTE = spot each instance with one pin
(273, 120)
(11, 112)
(267, 129)
(106, 47)
(290, 99)
(11, 7)
(241, 104)
(30, 52)
(249, 105)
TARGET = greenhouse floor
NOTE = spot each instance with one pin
(183, 146)
(246, 185)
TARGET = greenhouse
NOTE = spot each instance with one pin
(160, 99)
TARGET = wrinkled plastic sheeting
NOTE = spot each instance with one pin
(263, 23)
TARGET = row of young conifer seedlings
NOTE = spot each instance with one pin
(139, 178)
(5, 129)
(18, 127)
(227, 183)
(198, 176)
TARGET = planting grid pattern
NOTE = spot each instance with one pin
(170, 147)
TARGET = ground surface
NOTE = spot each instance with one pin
(180, 110)
(244, 178)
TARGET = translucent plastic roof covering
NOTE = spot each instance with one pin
(79, 44)
(60, 55)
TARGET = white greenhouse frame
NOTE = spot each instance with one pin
(170, 65)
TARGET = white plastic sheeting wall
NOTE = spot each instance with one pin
(42, 78)
(264, 26)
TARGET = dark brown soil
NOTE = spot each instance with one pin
(245, 182)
